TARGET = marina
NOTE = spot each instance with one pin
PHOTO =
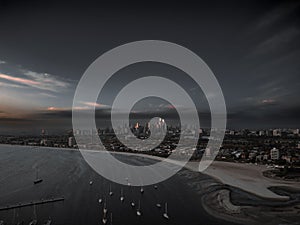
(66, 176)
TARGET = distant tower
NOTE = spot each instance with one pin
(44, 139)
(43, 133)
(71, 142)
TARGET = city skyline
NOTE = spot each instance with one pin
(253, 53)
(149, 112)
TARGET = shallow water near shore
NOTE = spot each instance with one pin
(65, 174)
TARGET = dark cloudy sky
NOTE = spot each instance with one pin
(252, 47)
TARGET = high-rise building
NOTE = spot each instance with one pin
(268, 133)
(274, 154)
(208, 152)
(71, 142)
(296, 131)
(77, 132)
(276, 133)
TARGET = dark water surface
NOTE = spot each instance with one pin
(66, 174)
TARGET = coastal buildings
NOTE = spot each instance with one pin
(71, 142)
(276, 132)
(275, 154)
(248, 146)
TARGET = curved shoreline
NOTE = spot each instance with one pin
(221, 207)
(247, 177)
(216, 197)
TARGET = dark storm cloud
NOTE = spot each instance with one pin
(252, 47)
(264, 121)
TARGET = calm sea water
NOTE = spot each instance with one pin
(66, 174)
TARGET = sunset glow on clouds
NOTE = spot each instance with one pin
(95, 104)
(37, 80)
(19, 80)
(25, 90)
(47, 81)
(85, 106)
(268, 101)
(19, 77)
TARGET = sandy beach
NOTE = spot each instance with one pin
(248, 197)
(248, 177)
(232, 193)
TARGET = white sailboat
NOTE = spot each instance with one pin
(138, 211)
(104, 220)
(110, 191)
(104, 207)
(158, 205)
(34, 221)
(48, 222)
(100, 200)
(142, 189)
(122, 195)
(128, 183)
(37, 179)
(132, 203)
(165, 215)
